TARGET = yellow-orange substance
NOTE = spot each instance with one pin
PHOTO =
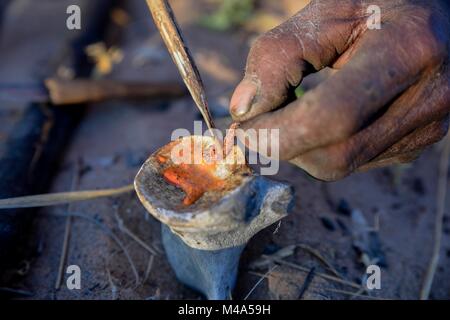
(193, 179)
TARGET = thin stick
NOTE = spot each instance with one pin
(358, 293)
(178, 50)
(112, 285)
(323, 275)
(317, 254)
(277, 228)
(438, 225)
(63, 257)
(52, 199)
(328, 278)
(354, 294)
(110, 233)
(266, 275)
(309, 278)
(17, 291)
(129, 233)
(149, 268)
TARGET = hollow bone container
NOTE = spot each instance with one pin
(204, 240)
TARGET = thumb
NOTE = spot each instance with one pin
(279, 59)
(272, 70)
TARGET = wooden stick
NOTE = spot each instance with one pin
(355, 294)
(63, 256)
(309, 278)
(64, 92)
(149, 268)
(321, 258)
(264, 276)
(112, 285)
(112, 235)
(438, 225)
(16, 291)
(52, 199)
(323, 275)
(129, 233)
(171, 34)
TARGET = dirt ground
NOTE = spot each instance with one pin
(115, 138)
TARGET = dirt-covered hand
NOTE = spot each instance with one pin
(387, 101)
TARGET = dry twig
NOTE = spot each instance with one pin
(111, 234)
(52, 199)
(354, 294)
(322, 259)
(266, 275)
(63, 257)
(309, 278)
(149, 268)
(112, 285)
(16, 291)
(438, 225)
(129, 233)
(323, 275)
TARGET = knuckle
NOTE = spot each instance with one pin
(326, 121)
(342, 127)
(424, 42)
(342, 163)
(431, 47)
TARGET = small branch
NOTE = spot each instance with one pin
(52, 199)
(277, 228)
(438, 225)
(359, 293)
(321, 258)
(63, 257)
(323, 275)
(110, 233)
(309, 278)
(264, 276)
(149, 268)
(354, 294)
(112, 285)
(16, 291)
(129, 233)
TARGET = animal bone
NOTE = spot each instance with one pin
(211, 272)
(204, 238)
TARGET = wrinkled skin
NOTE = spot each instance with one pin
(387, 100)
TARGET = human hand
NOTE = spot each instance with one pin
(388, 100)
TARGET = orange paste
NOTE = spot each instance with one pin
(193, 179)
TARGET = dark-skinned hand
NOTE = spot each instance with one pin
(388, 99)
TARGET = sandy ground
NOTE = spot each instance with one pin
(116, 137)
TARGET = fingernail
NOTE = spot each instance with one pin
(242, 99)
